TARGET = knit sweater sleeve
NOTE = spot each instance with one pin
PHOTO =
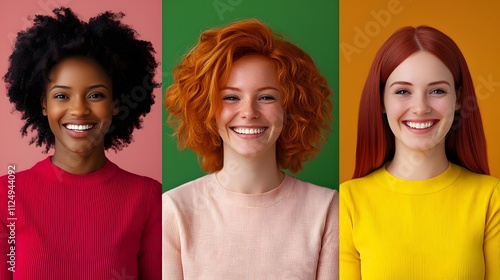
(350, 263)
(492, 237)
(149, 261)
(328, 263)
(171, 245)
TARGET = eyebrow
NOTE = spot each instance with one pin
(88, 88)
(410, 84)
(259, 89)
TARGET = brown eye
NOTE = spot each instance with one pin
(96, 95)
(60, 96)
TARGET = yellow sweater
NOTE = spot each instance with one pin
(446, 227)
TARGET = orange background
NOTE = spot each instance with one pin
(143, 156)
(475, 27)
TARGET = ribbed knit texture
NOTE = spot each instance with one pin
(446, 227)
(101, 225)
(290, 232)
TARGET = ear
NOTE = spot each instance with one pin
(43, 102)
(116, 107)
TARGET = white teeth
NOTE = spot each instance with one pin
(249, 130)
(419, 125)
(79, 127)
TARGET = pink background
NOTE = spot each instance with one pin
(143, 156)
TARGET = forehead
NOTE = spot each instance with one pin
(421, 67)
(252, 70)
(78, 69)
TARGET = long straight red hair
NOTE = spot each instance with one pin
(465, 142)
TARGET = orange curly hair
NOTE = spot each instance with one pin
(194, 101)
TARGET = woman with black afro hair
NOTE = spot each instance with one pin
(82, 88)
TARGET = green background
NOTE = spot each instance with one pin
(313, 26)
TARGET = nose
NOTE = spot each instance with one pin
(420, 104)
(79, 107)
(249, 109)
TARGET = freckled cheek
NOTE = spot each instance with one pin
(223, 119)
(279, 118)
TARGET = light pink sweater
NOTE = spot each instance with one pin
(290, 232)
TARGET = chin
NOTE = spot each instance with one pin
(82, 149)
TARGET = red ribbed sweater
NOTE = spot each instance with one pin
(101, 225)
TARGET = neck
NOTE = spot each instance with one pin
(251, 176)
(418, 165)
(76, 163)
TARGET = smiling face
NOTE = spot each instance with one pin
(252, 114)
(420, 100)
(79, 106)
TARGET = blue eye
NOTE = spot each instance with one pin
(230, 98)
(267, 98)
(402, 91)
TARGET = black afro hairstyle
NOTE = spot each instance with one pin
(113, 45)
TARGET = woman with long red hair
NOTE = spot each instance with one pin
(421, 204)
(250, 104)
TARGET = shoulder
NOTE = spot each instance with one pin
(190, 192)
(134, 179)
(142, 188)
(482, 179)
(479, 182)
(309, 191)
(32, 173)
(311, 198)
(310, 187)
(190, 188)
(363, 182)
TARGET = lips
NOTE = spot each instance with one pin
(248, 131)
(420, 125)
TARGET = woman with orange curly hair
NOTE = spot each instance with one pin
(250, 104)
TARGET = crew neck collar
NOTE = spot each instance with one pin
(51, 171)
(419, 187)
(259, 200)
